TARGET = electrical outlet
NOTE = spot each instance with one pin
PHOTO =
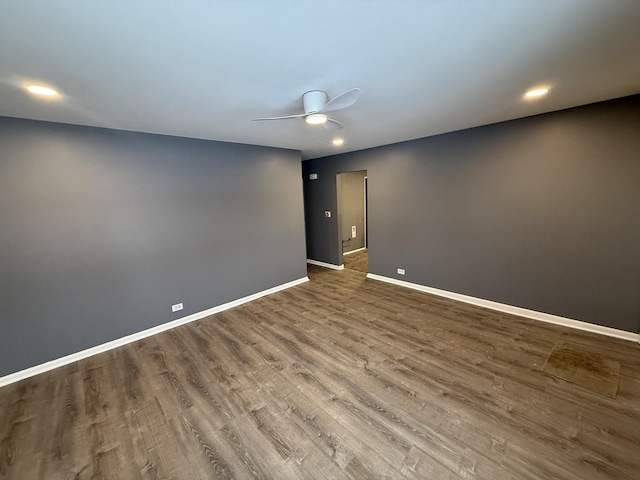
(327, 214)
(353, 231)
(176, 307)
(401, 271)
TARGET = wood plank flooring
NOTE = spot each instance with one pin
(358, 261)
(341, 377)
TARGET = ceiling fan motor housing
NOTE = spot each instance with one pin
(313, 101)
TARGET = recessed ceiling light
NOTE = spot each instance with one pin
(40, 90)
(536, 92)
(316, 119)
(338, 141)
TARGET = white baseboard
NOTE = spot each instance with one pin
(325, 265)
(354, 251)
(522, 312)
(74, 357)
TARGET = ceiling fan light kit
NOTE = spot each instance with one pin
(316, 118)
(316, 103)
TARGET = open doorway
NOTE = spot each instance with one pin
(352, 192)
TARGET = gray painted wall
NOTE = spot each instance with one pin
(320, 195)
(101, 231)
(541, 213)
(350, 207)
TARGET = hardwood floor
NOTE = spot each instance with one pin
(358, 261)
(341, 377)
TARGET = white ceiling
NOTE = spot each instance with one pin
(204, 69)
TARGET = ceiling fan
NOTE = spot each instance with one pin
(316, 104)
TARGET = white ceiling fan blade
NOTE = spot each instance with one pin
(343, 100)
(279, 118)
(332, 125)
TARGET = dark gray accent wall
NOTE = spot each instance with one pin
(101, 231)
(541, 213)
